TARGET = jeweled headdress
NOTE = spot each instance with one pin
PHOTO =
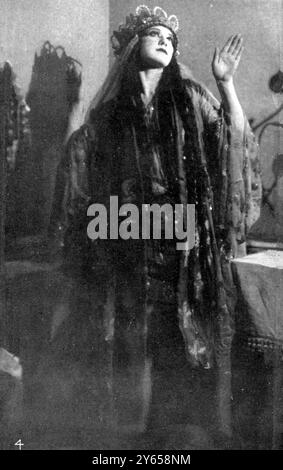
(124, 41)
(135, 24)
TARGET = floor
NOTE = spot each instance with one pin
(58, 404)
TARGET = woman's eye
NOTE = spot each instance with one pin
(170, 38)
(153, 33)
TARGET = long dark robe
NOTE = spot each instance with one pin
(211, 160)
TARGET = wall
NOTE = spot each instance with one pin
(80, 26)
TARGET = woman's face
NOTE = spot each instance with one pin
(157, 47)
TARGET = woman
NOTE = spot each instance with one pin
(153, 136)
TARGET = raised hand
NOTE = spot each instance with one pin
(226, 61)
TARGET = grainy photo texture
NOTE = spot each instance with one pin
(141, 224)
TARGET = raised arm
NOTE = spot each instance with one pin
(224, 65)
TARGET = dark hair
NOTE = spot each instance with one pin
(171, 77)
(170, 93)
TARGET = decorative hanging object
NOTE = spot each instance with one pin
(276, 82)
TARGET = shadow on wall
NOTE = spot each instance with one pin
(269, 226)
(53, 92)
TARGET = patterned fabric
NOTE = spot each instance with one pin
(212, 169)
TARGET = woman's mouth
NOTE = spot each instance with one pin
(160, 49)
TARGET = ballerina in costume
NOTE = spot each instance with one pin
(154, 135)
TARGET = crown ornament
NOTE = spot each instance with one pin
(143, 19)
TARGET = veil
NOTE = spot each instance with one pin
(111, 85)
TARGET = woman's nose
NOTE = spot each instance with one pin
(162, 40)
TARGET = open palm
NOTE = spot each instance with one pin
(226, 61)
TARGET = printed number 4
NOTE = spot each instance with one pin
(19, 443)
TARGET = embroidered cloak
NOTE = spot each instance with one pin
(213, 170)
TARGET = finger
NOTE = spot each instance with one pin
(239, 53)
(234, 44)
(237, 45)
(227, 44)
(216, 55)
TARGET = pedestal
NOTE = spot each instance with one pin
(258, 350)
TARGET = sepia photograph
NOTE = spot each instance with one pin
(141, 227)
